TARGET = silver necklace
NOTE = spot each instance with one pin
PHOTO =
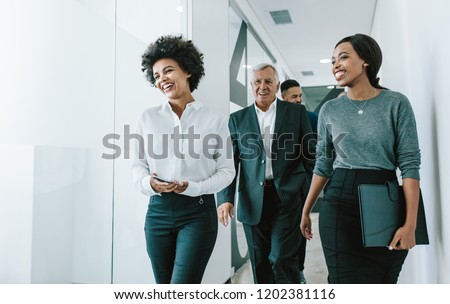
(361, 110)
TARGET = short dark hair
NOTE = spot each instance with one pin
(287, 84)
(368, 49)
(184, 52)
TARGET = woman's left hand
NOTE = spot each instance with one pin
(404, 239)
(181, 186)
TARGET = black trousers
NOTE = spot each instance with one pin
(348, 261)
(274, 241)
(180, 232)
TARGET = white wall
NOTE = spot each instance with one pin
(416, 63)
(16, 212)
(440, 160)
(56, 104)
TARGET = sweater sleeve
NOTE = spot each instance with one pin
(406, 142)
(324, 149)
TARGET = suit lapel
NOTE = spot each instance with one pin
(253, 120)
(252, 125)
(281, 110)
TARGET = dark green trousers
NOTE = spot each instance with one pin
(180, 232)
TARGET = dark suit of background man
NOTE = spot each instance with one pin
(292, 92)
(271, 147)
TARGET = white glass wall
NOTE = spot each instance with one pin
(71, 82)
(57, 102)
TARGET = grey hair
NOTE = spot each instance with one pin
(263, 66)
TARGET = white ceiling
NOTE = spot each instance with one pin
(317, 26)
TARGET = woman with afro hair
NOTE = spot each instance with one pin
(181, 162)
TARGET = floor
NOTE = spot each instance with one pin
(315, 268)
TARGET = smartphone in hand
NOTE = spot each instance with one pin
(162, 180)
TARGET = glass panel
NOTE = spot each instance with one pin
(56, 104)
(315, 97)
(238, 59)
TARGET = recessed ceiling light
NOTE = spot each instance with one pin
(180, 8)
(325, 60)
(246, 66)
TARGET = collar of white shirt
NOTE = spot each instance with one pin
(272, 108)
(195, 104)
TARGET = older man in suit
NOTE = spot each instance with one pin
(273, 149)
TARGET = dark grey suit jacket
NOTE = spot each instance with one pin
(293, 151)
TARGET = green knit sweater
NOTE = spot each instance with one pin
(383, 137)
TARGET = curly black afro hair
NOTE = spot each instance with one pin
(182, 51)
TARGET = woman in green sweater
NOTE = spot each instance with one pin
(364, 137)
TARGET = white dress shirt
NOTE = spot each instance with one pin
(196, 148)
(266, 122)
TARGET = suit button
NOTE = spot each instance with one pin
(263, 161)
(261, 183)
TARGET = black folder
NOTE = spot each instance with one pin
(383, 211)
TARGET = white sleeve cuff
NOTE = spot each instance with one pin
(194, 189)
(146, 188)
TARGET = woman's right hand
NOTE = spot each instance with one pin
(305, 226)
(317, 184)
(160, 186)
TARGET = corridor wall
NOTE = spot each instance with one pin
(56, 101)
(416, 63)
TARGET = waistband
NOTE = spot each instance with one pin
(365, 176)
(183, 200)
